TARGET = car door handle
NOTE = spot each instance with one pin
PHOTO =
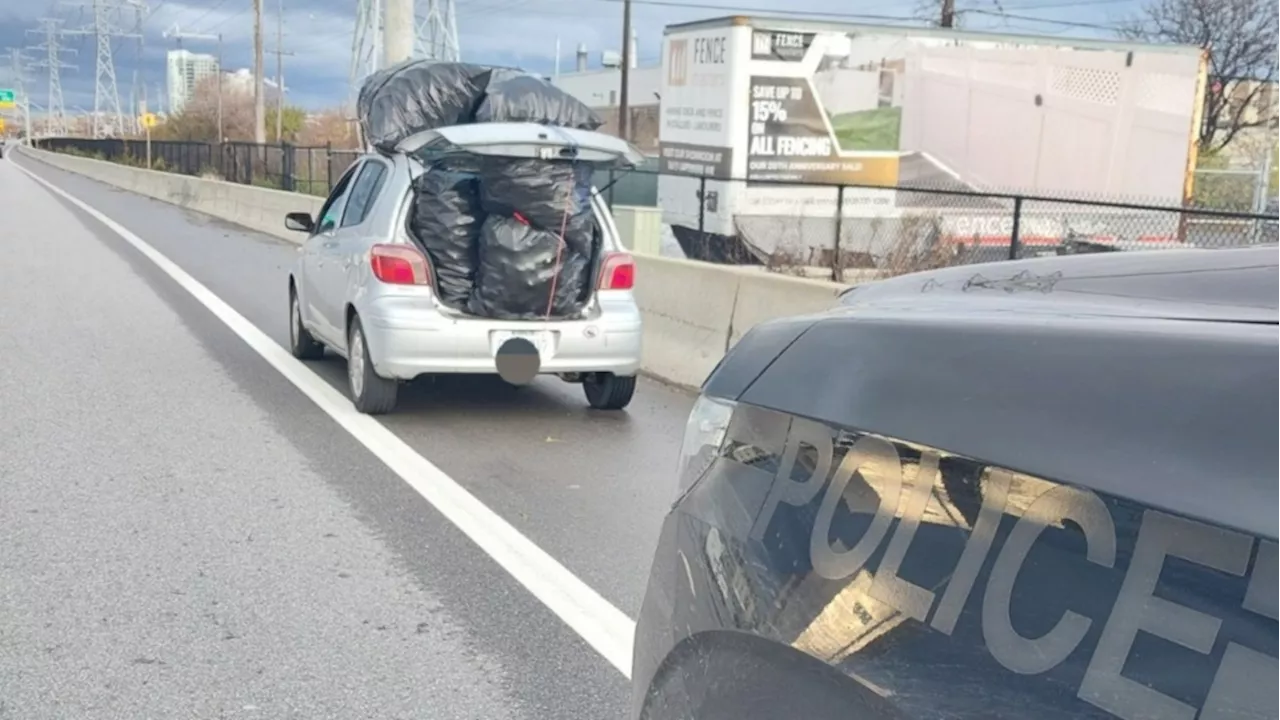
(330, 245)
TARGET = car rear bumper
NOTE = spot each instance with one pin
(407, 340)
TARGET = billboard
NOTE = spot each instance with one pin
(695, 105)
(793, 134)
(926, 110)
(779, 113)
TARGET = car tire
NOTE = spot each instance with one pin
(370, 393)
(301, 343)
(606, 391)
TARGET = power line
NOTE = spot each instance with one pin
(208, 12)
(1053, 4)
(774, 13)
(762, 11)
(1047, 21)
(229, 18)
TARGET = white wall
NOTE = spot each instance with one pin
(600, 88)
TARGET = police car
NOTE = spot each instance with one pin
(1035, 489)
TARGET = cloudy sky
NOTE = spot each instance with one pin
(318, 33)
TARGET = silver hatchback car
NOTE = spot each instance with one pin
(363, 286)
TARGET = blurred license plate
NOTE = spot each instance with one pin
(541, 340)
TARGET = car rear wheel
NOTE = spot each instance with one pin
(371, 394)
(606, 391)
(301, 343)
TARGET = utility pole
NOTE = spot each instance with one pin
(948, 18)
(279, 71)
(624, 96)
(176, 33)
(398, 32)
(139, 17)
(1264, 187)
(280, 53)
(56, 118)
(106, 94)
(259, 105)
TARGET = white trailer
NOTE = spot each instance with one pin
(751, 104)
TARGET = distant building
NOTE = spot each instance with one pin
(183, 72)
(600, 88)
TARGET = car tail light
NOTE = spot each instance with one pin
(399, 265)
(704, 435)
(617, 272)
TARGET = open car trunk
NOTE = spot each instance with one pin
(508, 217)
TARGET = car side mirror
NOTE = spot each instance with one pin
(299, 221)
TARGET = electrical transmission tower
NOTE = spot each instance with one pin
(106, 26)
(435, 34)
(366, 42)
(18, 69)
(56, 116)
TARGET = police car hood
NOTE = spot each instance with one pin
(1234, 285)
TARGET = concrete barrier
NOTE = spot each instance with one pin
(260, 209)
(693, 311)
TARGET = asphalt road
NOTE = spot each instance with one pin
(185, 534)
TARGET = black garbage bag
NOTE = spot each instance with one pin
(552, 195)
(527, 98)
(418, 95)
(524, 271)
(446, 220)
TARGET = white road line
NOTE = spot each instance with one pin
(606, 628)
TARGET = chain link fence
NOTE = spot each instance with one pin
(850, 233)
(844, 232)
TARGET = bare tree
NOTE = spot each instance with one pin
(937, 13)
(198, 119)
(330, 127)
(1240, 36)
(955, 13)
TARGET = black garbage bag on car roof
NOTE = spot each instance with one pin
(418, 95)
(519, 97)
(525, 272)
(446, 220)
(553, 195)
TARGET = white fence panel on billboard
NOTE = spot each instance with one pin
(1053, 120)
